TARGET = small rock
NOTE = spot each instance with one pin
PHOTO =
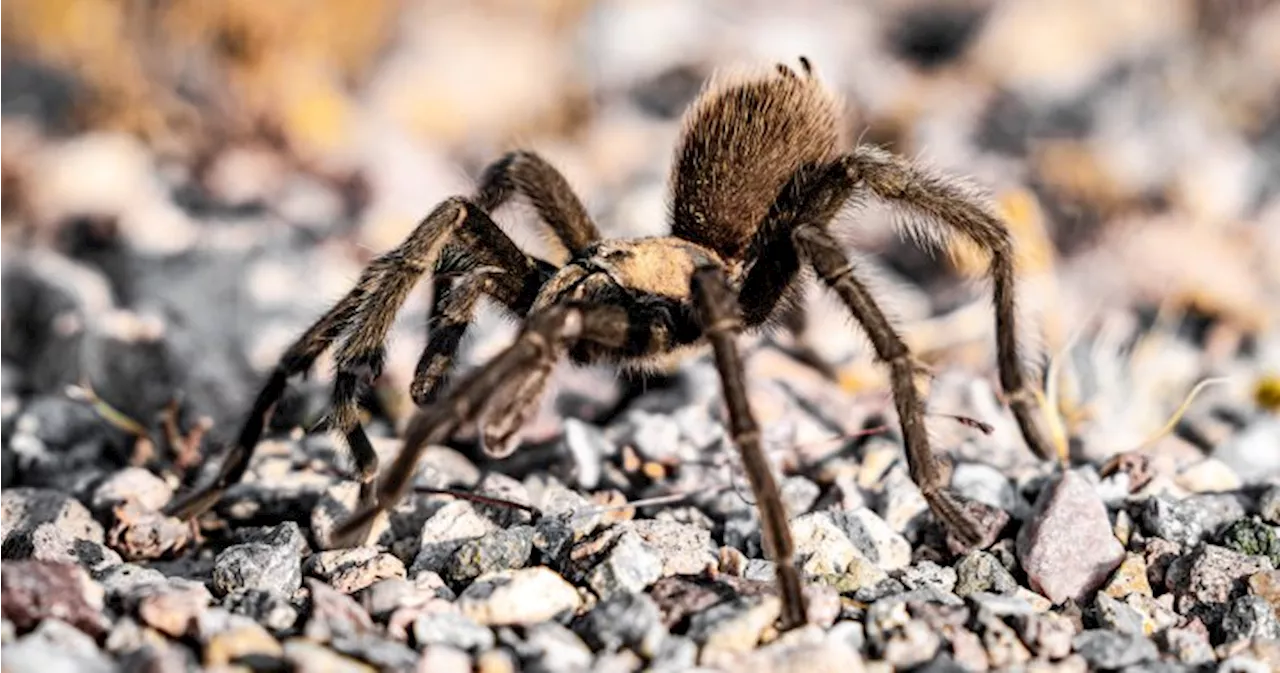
(732, 627)
(503, 487)
(1251, 452)
(685, 549)
(305, 655)
(55, 647)
(1267, 585)
(655, 436)
(588, 445)
(23, 509)
(451, 526)
(999, 606)
(350, 570)
(1129, 578)
(1004, 649)
(803, 651)
(172, 608)
(34, 591)
(452, 629)
(980, 571)
(334, 615)
(986, 484)
(1109, 649)
(444, 659)
(928, 573)
(1189, 646)
(376, 649)
(875, 538)
(127, 578)
(146, 534)
(132, 484)
(257, 565)
(627, 564)
(525, 596)
(240, 642)
(1117, 616)
(286, 535)
(1049, 635)
(1067, 547)
(1252, 537)
(1159, 554)
(1209, 476)
(1156, 614)
(1175, 520)
(48, 542)
(1217, 510)
(555, 648)
(1269, 506)
(1210, 577)
(504, 549)
(272, 610)
(624, 620)
(1249, 617)
(823, 549)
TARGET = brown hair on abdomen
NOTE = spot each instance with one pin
(743, 139)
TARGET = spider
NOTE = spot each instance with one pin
(758, 176)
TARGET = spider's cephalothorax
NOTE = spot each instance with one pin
(758, 176)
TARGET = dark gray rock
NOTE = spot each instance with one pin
(1174, 520)
(1249, 617)
(928, 573)
(269, 608)
(980, 571)
(501, 550)
(453, 629)
(1111, 649)
(625, 620)
(1117, 616)
(1269, 506)
(258, 565)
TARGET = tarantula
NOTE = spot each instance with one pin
(758, 177)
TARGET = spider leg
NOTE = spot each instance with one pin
(722, 323)
(363, 317)
(296, 360)
(824, 253)
(547, 190)
(543, 340)
(894, 179)
(486, 258)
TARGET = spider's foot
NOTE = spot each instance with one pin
(969, 524)
(985, 524)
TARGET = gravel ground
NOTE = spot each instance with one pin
(165, 243)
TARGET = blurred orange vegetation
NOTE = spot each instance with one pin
(283, 68)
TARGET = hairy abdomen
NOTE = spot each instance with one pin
(743, 139)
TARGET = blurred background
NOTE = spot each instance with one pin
(187, 184)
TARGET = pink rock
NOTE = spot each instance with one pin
(1067, 547)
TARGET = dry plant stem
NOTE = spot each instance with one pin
(722, 323)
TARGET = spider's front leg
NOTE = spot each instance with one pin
(545, 338)
(722, 323)
(951, 204)
(358, 325)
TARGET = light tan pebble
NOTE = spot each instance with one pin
(1209, 476)
(524, 596)
(729, 637)
(444, 659)
(1129, 578)
(495, 661)
(309, 657)
(240, 641)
